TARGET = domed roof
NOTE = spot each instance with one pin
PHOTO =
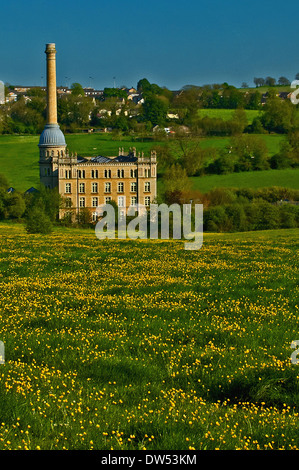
(52, 136)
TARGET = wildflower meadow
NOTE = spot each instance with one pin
(140, 344)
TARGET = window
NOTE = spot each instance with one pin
(94, 216)
(82, 188)
(147, 187)
(95, 201)
(120, 187)
(133, 187)
(68, 188)
(147, 173)
(68, 174)
(120, 173)
(81, 173)
(82, 201)
(94, 187)
(107, 199)
(49, 171)
(147, 201)
(121, 201)
(134, 201)
(107, 187)
(133, 173)
(94, 173)
(68, 202)
(107, 174)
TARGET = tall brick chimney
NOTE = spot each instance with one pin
(51, 84)
(52, 143)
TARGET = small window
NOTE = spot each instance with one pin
(147, 201)
(134, 201)
(147, 187)
(82, 188)
(81, 173)
(121, 201)
(68, 202)
(94, 187)
(68, 188)
(95, 202)
(107, 187)
(133, 187)
(120, 187)
(82, 201)
(107, 173)
(120, 173)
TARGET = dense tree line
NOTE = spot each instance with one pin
(237, 210)
(114, 110)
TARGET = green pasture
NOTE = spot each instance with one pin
(19, 154)
(288, 178)
(227, 114)
(142, 345)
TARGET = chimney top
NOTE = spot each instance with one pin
(50, 46)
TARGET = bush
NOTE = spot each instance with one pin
(221, 196)
(289, 216)
(37, 221)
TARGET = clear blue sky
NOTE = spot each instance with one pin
(171, 43)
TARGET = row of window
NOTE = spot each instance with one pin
(95, 173)
(81, 174)
(107, 187)
(121, 201)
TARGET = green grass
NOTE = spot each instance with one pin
(227, 114)
(288, 178)
(264, 89)
(142, 345)
(19, 154)
(104, 144)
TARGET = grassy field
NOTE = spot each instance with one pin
(288, 178)
(19, 154)
(264, 89)
(142, 345)
(227, 114)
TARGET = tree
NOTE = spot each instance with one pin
(278, 115)
(165, 156)
(283, 81)
(251, 152)
(74, 110)
(77, 89)
(155, 110)
(258, 81)
(114, 92)
(270, 81)
(15, 205)
(244, 85)
(84, 218)
(37, 221)
(175, 179)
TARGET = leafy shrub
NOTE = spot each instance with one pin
(37, 221)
